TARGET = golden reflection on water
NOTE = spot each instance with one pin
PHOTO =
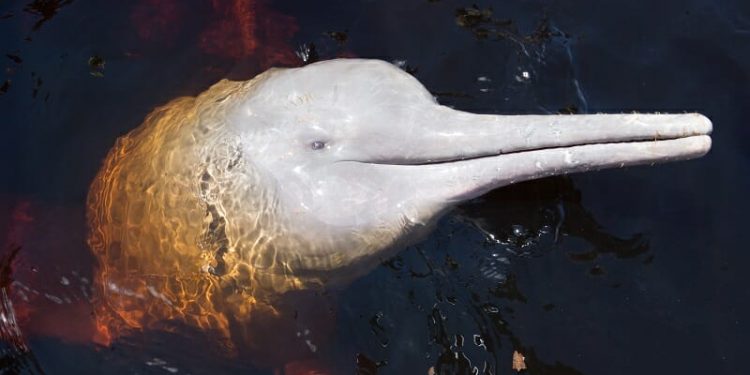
(161, 214)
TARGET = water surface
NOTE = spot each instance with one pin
(640, 270)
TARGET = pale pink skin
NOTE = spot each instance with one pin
(317, 174)
(365, 161)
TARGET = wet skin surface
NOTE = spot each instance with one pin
(624, 271)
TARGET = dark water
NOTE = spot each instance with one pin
(641, 270)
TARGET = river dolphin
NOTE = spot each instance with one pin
(307, 177)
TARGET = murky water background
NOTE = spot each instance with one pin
(626, 271)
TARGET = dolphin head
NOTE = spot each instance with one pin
(311, 176)
(363, 160)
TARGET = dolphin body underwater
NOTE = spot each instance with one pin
(309, 177)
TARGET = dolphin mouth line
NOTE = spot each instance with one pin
(416, 163)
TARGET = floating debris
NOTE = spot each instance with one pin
(46, 9)
(15, 58)
(96, 65)
(484, 26)
(4, 88)
(473, 16)
(568, 110)
(339, 36)
(519, 361)
(367, 366)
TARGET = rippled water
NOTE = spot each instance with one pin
(626, 271)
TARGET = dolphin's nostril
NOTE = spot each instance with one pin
(318, 145)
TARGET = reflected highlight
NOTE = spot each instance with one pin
(166, 247)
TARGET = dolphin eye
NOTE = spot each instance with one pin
(318, 145)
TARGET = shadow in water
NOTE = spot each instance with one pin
(461, 283)
(521, 215)
(458, 289)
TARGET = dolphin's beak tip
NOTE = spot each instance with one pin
(706, 123)
(706, 144)
(697, 147)
(699, 137)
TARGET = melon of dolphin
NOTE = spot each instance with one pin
(311, 176)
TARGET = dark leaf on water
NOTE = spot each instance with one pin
(568, 110)
(450, 263)
(96, 62)
(4, 88)
(96, 66)
(472, 16)
(484, 26)
(6, 266)
(339, 36)
(542, 33)
(366, 366)
(45, 9)
(15, 58)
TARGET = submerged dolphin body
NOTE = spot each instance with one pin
(311, 176)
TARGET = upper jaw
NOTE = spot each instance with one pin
(459, 136)
(488, 152)
(701, 145)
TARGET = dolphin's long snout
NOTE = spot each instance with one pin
(307, 177)
(448, 135)
(470, 154)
